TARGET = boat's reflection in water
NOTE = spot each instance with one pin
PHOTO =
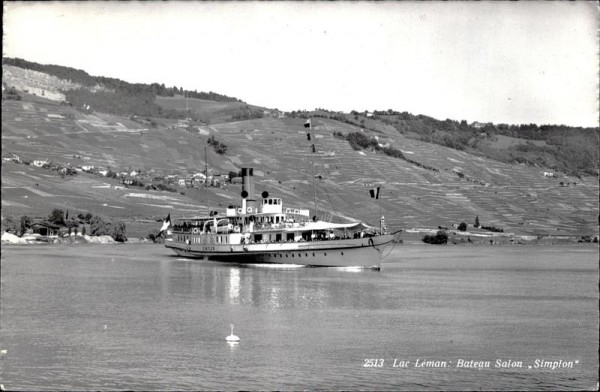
(271, 285)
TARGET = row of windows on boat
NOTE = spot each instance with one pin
(290, 254)
(269, 201)
(264, 239)
(260, 222)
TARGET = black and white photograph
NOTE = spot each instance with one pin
(300, 195)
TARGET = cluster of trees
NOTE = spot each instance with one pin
(440, 238)
(162, 91)
(233, 174)
(359, 141)
(209, 96)
(578, 155)
(161, 187)
(573, 150)
(492, 229)
(247, 113)
(11, 93)
(488, 228)
(98, 226)
(121, 103)
(219, 147)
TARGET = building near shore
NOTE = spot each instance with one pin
(45, 229)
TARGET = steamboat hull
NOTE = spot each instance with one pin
(360, 252)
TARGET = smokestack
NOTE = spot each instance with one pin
(248, 187)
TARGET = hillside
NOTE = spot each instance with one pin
(433, 185)
(570, 150)
(210, 112)
(516, 198)
(83, 91)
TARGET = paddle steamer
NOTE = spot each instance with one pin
(265, 231)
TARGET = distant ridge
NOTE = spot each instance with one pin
(571, 150)
(110, 95)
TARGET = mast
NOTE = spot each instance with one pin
(380, 216)
(308, 124)
(314, 185)
(206, 180)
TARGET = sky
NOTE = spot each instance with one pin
(501, 62)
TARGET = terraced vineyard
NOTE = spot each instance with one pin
(516, 198)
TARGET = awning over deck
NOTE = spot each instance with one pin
(320, 225)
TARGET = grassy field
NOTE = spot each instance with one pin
(516, 198)
(208, 111)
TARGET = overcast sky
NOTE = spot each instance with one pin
(505, 62)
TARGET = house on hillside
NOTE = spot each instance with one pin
(172, 179)
(479, 125)
(158, 180)
(39, 162)
(216, 181)
(45, 229)
(182, 123)
(185, 182)
(87, 168)
(198, 179)
(11, 158)
(222, 177)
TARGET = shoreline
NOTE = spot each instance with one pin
(13, 240)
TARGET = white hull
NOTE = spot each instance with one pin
(360, 252)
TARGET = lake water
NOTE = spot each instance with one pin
(137, 317)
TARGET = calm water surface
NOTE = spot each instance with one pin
(136, 317)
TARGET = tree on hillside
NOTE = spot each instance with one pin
(25, 223)
(99, 227)
(71, 223)
(85, 218)
(9, 226)
(440, 238)
(476, 221)
(118, 233)
(57, 216)
(233, 174)
(219, 147)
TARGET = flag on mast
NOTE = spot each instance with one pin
(166, 224)
(374, 192)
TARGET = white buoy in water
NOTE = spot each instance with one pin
(232, 337)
